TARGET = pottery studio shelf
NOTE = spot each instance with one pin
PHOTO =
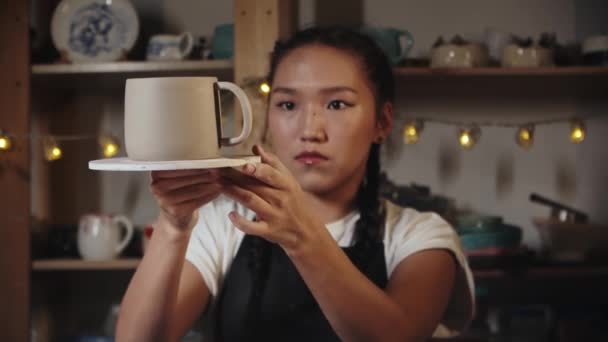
(84, 265)
(87, 75)
(503, 72)
(497, 84)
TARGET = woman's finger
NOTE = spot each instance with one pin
(269, 158)
(249, 199)
(180, 196)
(170, 184)
(259, 177)
(267, 174)
(259, 228)
(156, 175)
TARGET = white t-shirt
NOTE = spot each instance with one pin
(215, 242)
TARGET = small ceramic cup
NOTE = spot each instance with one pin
(167, 47)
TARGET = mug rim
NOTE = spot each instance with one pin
(172, 78)
(94, 214)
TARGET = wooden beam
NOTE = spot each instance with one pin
(258, 25)
(14, 173)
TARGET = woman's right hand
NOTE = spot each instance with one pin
(180, 193)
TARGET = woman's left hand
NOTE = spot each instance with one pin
(271, 191)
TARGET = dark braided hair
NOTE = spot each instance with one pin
(375, 65)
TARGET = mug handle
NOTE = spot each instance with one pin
(186, 43)
(245, 108)
(406, 42)
(126, 223)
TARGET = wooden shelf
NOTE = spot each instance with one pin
(502, 72)
(84, 265)
(131, 67)
(544, 272)
(113, 75)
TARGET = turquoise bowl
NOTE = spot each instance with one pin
(503, 236)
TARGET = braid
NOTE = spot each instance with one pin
(369, 227)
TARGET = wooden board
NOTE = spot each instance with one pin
(258, 25)
(84, 265)
(14, 173)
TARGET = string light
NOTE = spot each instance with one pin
(5, 142)
(468, 137)
(525, 136)
(109, 146)
(264, 88)
(577, 131)
(52, 150)
(411, 131)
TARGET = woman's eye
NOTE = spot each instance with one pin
(337, 104)
(286, 105)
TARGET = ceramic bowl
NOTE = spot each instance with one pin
(459, 56)
(533, 56)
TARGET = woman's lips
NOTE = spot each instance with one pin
(311, 158)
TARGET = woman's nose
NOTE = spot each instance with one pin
(313, 126)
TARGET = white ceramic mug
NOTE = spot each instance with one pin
(496, 41)
(168, 47)
(178, 118)
(100, 237)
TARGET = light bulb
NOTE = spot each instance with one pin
(525, 136)
(109, 146)
(468, 137)
(52, 150)
(577, 131)
(6, 142)
(264, 88)
(411, 131)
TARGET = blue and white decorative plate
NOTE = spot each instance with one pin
(94, 30)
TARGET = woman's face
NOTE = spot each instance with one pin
(322, 117)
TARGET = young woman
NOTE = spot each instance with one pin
(300, 247)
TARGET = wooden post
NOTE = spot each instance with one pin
(14, 173)
(258, 25)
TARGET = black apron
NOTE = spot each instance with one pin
(283, 309)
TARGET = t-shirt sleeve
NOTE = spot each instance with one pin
(409, 232)
(214, 242)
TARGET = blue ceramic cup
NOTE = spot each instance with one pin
(395, 43)
(222, 45)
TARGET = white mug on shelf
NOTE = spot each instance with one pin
(168, 47)
(100, 236)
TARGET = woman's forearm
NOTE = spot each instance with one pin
(148, 304)
(355, 307)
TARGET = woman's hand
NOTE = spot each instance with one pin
(180, 193)
(270, 190)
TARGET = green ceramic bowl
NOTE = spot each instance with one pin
(505, 236)
(478, 223)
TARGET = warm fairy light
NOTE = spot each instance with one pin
(52, 151)
(411, 132)
(5, 142)
(525, 137)
(110, 150)
(577, 131)
(468, 137)
(265, 88)
(109, 146)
